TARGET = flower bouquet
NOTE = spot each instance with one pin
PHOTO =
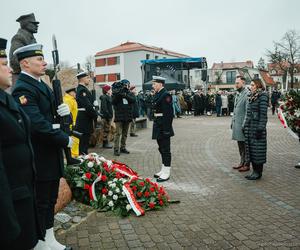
(113, 186)
(289, 112)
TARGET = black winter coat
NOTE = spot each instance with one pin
(162, 125)
(218, 100)
(85, 118)
(255, 129)
(106, 107)
(122, 103)
(37, 100)
(135, 108)
(19, 227)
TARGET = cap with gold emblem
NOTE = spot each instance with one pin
(81, 75)
(158, 79)
(30, 50)
(3, 48)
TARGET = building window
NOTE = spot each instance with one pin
(185, 78)
(101, 78)
(230, 76)
(112, 60)
(100, 62)
(147, 56)
(179, 78)
(118, 75)
(117, 60)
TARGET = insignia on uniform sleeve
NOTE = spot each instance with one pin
(83, 94)
(23, 100)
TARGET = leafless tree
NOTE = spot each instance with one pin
(286, 53)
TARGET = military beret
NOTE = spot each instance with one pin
(30, 50)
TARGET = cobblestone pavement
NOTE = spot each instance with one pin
(219, 208)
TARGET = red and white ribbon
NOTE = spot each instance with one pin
(282, 118)
(132, 200)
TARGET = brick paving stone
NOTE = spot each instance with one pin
(219, 208)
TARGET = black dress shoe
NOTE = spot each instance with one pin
(116, 153)
(124, 151)
(297, 166)
(68, 248)
(254, 176)
(156, 176)
(133, 135)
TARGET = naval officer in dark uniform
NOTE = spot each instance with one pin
(48, 140)
(19, 229)
(162, 125)
(86, 111)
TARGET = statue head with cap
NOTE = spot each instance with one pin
(83, 78)
(158, 83)
(31, 59)
(28, 22)
(5, 70)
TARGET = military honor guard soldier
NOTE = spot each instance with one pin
(162, 126)
(86, 111)
(19, 228)
(48, 140)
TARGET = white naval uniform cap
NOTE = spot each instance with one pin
(30, 50)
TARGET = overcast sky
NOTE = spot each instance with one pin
(231, 30)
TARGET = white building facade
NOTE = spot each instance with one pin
(124, 62)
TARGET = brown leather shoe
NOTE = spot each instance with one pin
(237, 167)
(244, 169)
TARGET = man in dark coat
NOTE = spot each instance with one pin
(19, 223)
(48, 140)
(106, 113)
(275, 96)
(162, 126)
(218, 103)
(86, 111)
(122, 100)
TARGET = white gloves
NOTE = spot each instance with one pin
(63, 109)
(71, 142)
(96, 104)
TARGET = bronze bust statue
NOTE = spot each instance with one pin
(24, 36)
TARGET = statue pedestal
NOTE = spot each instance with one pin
(64, 195)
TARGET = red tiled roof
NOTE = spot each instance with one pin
(266, 77)
(279, 71)
(233, 65)
(132, 46)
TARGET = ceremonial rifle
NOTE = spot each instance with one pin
(65, 120)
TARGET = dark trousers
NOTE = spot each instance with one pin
(164, 148)
(242, 150)
(46, 196)
(218, 110)
(84, 143)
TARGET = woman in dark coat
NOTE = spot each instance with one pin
(254, 128)
(19, 229)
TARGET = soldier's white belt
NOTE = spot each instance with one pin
(81, 109)
(158, 114)
(55, 126)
